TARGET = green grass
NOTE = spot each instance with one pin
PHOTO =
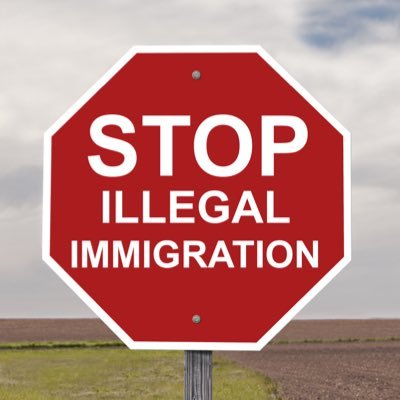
(339, 340)
(96, 372)
(116, 343)
(60, 345)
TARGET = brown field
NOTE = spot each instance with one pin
(358, 359)
(37, 330)
(33, 330)
(329, 371)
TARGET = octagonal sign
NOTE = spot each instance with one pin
(196, 198)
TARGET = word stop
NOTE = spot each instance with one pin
(269, 147)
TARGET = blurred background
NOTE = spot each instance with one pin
(346, 54)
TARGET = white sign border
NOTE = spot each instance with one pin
(118, 331)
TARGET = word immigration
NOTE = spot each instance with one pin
(191, 253)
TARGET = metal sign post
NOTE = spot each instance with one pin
(198, 375)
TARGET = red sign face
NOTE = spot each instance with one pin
(197, 198)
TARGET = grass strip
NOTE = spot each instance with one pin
(115, 343)
(60, 345)
(339, 340)
(117, 374)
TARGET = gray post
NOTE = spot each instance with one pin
(198, 375)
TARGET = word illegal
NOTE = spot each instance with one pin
(212, 206)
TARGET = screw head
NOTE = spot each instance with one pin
(196, 319)
(196, 75)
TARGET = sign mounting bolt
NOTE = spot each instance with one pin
(196, 319)
(196, 75)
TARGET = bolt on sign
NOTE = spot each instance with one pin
(196, 198)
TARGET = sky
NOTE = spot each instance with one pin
(346, 53)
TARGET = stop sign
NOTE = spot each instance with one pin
(196, 198)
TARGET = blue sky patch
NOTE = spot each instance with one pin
(336, 22)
